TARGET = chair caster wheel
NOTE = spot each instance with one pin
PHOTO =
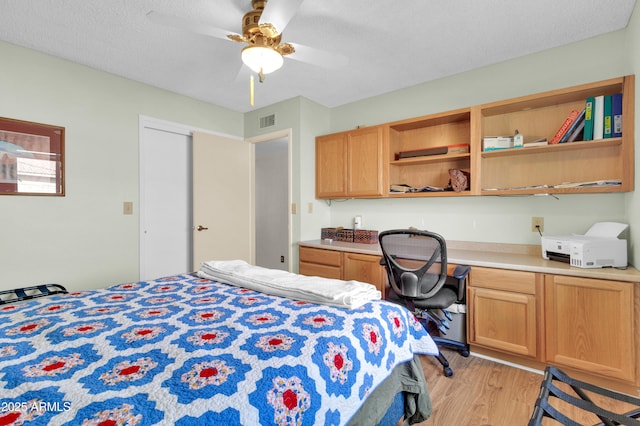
(448, 372)
(464, 353)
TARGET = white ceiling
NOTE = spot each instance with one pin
(385, 44)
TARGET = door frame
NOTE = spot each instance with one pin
(279, 134)
(184, 130)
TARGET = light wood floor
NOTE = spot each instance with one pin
(483, 393)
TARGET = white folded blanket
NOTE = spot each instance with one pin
(346, 294)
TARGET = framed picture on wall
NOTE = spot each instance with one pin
(31, 158)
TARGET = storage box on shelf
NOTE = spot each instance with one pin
(556, 168)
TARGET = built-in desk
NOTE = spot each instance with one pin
(494, 255)
(527, 310)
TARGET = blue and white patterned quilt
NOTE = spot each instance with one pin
(189, 351)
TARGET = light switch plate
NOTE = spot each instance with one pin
(127, 207)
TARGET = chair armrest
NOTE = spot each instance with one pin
(458, 278)
(461, 272)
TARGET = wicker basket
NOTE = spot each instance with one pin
(365, 236)
(345, 235)
(328, 233)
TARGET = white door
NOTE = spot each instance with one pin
(222, 201)
(165, 184)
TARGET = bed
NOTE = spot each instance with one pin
(189, 350)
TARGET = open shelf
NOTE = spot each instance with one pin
(516, 171)
(600, 143)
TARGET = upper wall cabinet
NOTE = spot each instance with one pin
(423, 153)
(350, 164)
(600, 165)
(446, 137)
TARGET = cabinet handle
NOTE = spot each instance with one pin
(201, 228)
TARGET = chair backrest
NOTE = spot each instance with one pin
(415, 260)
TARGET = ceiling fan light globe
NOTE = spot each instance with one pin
(260, 58)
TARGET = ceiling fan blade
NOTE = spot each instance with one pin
(188, 25)
(321, 58)
(279, 13)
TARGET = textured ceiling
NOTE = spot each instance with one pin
(375, 46)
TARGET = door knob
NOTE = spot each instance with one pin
(201, 228)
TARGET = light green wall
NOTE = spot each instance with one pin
(499, 219)
(306, 119)
(83, 240)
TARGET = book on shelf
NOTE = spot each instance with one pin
(589, 184)
(598, 117)
(572, 128)
(565, 126)
(607, 119)
(575, 135)
(404, 188)
(462, 148)
(537, 142)
(616, 113)
(588, 119)
(400, 187)
(428, 188)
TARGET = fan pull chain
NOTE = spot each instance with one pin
(251, 90)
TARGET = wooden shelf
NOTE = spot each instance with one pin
(429, 194)
(600, 143)
(350, 166)
(416, 161)
(553, 191)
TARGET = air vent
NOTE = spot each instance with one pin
(267, 121)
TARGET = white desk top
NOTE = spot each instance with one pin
(501, 256)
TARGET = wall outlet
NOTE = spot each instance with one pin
(537, 224)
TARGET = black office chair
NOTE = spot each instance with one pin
(416, 265)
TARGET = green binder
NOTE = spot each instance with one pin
(588, 119)
(608, 118)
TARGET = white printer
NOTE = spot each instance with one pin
(599, 247)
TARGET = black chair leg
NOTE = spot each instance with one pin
(448, 372)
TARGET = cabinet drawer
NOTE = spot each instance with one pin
(503, 279)
(323, 257)
(317, 270)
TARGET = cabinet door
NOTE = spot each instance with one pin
(590, 325)
(365, 268)
(365, 173)
(331, 166)
(503, 320)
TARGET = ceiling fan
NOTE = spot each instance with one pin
(264, 50)
(262, 29)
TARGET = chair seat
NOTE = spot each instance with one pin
(443, 299)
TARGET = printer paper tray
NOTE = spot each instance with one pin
(560, 257)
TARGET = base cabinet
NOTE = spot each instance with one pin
(585, 325)
(504, 311)
(320, 263)
(342, 265)
(365, 268)
(589, 325)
